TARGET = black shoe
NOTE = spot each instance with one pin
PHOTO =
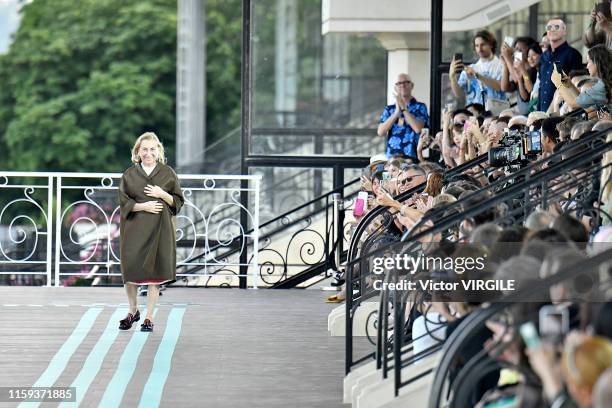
(146, 326)
(126, 323)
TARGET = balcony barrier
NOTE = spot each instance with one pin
(62, 226)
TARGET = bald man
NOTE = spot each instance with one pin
(403, 121)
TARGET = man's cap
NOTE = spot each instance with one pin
(377, 158)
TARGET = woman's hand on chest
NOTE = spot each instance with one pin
(155, 191)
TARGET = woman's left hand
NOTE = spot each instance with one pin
(555, 77)
(154, 191)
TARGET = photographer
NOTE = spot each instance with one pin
(550, 135)
(479, 82)
(518, 74)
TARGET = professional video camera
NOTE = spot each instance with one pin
(517, 148)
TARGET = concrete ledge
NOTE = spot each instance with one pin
(336, 322)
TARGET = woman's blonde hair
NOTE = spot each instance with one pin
(148, 136)
(585, 361)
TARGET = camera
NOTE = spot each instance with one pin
(517, 147)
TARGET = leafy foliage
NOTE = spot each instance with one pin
(80, 82)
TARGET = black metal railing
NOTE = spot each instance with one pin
(316, 249)
(570, 176)
(357, 289)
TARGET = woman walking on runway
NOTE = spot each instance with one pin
(149, 198)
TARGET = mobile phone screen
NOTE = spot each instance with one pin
(530, 335)
(554, 323)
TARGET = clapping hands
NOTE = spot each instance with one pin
(399, 100)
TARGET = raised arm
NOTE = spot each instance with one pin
(446, 141)
(453, 77)
(507, 58)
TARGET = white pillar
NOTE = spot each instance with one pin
(190, 86)
(408, 53)
(285, 68)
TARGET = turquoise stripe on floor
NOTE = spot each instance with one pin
(153, 389)
(127, 365)
(96, 357)
(58, 363)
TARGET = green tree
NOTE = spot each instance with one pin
(81, 81)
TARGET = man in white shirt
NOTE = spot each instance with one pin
(479, 82)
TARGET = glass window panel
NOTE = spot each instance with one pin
(303, 80)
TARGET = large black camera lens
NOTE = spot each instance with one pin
(504, 156)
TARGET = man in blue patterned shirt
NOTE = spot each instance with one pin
(403, 121)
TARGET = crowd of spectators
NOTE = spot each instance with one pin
(537, 88)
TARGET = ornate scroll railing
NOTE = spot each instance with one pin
(308, 238)
(64, 227)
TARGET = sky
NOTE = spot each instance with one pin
(9, 21)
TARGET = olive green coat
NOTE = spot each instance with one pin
(148, 241)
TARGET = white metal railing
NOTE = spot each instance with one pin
(78, 213)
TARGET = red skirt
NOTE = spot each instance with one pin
(152, 282)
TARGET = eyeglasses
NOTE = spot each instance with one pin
(405, 180)
(403, 83)
(553, 27)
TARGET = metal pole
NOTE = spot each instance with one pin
(246, 88)
(435, 55)
(533, 22)
(49, 229)
(348, 321)
(337, 229)
(255, 263)
(338, 183)
(338, 175)
(58, 230)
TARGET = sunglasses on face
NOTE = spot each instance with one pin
(403, 83)
(553, 27)
(405, 180)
